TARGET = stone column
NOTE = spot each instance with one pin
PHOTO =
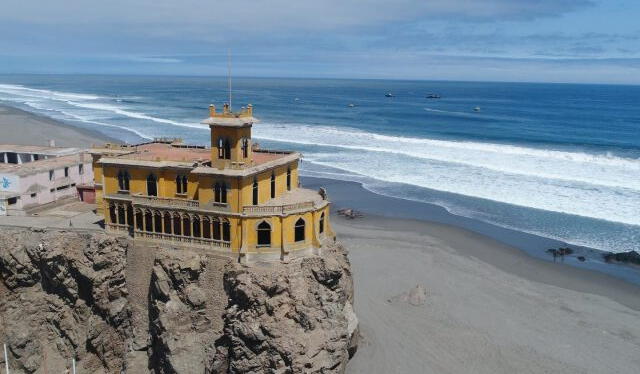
(162, 223)
(144, 221)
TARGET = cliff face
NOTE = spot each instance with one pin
(66, 294)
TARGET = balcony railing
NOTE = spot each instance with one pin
(182, 239)
(278, 209)
(165, 201)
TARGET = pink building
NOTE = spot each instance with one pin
(31, 176)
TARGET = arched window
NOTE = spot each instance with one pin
(196, 227)
(148, 224)
(273, 185)
(255, 191)
(181, 184)
(206, 228)
(130, 215)
(186, 224)
(158, 222)
(245, 147)
(299, 230)
(152, 185)
(264, 234)
(167, 223)
(112, 213)
(226, 231)
(321, 226)
(177, 226)
(216, 229)
(121, 215)
(123, 180)
(288, 179)
(139, 221)
(220, 192)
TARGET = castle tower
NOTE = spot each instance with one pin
(230, 137)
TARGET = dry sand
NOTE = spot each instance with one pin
(489, 308)
(20, 127)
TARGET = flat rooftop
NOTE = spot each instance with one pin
(45, 164)
(36, 149)
(164, 154)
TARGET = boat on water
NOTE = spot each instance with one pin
(476, 109)
(351, 105)
(388, 94)
(433, 96)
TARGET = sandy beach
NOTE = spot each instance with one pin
(20, 127)
(489, 307)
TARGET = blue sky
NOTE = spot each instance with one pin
(498, 40)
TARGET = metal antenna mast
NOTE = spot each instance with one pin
(229, 74)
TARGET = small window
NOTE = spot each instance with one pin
(152, 185)
(220, 193)
(299, 230)
(73, 184)
(288, 179)
(273, 185)
(245, 147)
(264, 234)
(51, 175)
(34, 195)
(52, 190)
(123, 180)
(12, 200)
(255, 191)
(66, 172)
(80, 169)
(321, 226)
(181, 184)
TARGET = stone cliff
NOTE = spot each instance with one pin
(119, 307)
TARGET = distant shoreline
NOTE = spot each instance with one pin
(38, 129)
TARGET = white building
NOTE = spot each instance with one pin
(31, 176)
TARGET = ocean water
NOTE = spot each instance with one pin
(557, 160)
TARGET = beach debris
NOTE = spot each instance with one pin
(416, 296)
(350, 213)
(560, 252)
(631, 257)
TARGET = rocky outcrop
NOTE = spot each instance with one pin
(64, 295)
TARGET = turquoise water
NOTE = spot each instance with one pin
(557, 160)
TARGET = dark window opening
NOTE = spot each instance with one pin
(245, 148)
(220, 192)
(66, 172)
(264, 234)
(181, 184)
(216, 229)
(167, 223)
(206, 229)
(80, 169)
(51, 175)
(130, 215)
(148, 224)
(123, 180)
(226, 231)
(139, 221)
(12, 200)
(288, 179)
(121, 216)
(157, 226)
(196, 227)
(34, 195)
(255, 192)
(224, 149)
(299, 230)
(321, 228)
(177, 225)
(273, 185)
(186, 223)
(112, 214)
(152, 185)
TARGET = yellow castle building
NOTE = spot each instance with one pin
(232, 197)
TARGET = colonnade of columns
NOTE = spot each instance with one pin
(170, 223)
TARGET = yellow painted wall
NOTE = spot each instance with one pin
(235, 135)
